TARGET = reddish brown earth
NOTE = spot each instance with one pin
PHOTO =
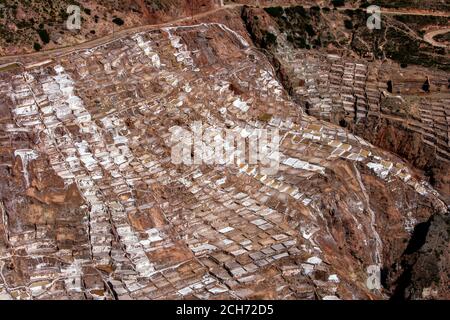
(21, 22)
(98, 210)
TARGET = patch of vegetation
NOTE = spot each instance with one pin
(24, 24)
(118, 21)
(299, 10)
(310, 30)
(443, 5)
(426, 86)
(420, 23)
(399, 44)
(43, 34)
(37, 46)
(305, 29)
(9, 67)
(444, 37)
(48, 17)
(156, 5)
(338, 3)
(269, 40)
(348, 24)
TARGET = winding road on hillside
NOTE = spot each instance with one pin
(429, 37)
(48, 54)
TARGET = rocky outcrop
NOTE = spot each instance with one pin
(387, 104)
(28, 26)
(423, 272)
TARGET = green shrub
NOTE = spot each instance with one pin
(299, 10)
(118, 21)
(37, 46)
(348, 24)
(270, 39)
(43, 34)
(275, 11)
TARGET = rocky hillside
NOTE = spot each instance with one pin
(393, 104)
(34, 25)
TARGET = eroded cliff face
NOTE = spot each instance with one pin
(402, 109)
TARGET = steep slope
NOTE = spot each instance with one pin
(400, 108)
(94, 207)
(29, 26)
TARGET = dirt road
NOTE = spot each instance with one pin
(429, 37)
